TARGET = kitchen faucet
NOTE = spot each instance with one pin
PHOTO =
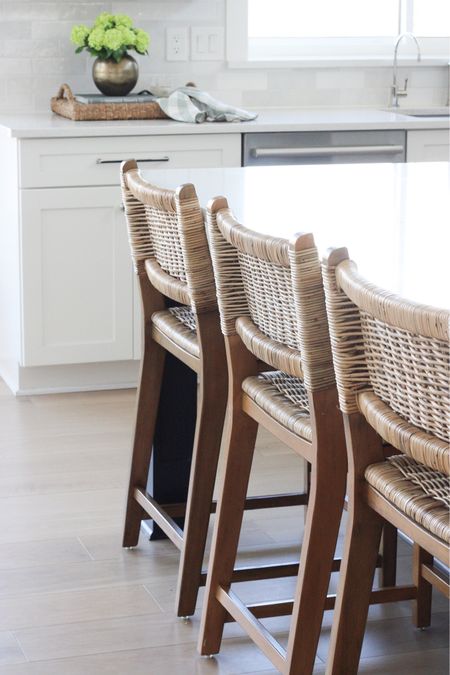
(395, 89)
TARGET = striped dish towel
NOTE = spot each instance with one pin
(189, 104)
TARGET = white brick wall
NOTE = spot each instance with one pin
(36, 56)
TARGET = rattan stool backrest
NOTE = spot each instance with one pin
(270, 292)
(398, 351)
(168, 239)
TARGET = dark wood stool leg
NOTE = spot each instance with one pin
(238, 457)
(355, 584)
(323, 517)
(147, 410)
(361, 549)
(422, 604)
(388, 571)
(210, 419)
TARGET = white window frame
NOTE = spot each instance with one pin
(330, 52)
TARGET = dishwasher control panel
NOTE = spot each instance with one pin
(324, 147)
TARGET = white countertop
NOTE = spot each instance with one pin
(393, 218)
(49, 125)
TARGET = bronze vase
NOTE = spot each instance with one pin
(115, 79)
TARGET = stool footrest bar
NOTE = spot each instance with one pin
(160, 516)
(178, 510)
(255, 630)
(284, 607)
(437, 578)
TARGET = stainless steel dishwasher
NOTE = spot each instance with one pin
(323, 147)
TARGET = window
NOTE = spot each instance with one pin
(264, 30)
(321, 18)
(430, 18)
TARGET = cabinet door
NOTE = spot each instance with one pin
(77, 281)
(431, 145)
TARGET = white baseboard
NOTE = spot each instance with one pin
(73, 378)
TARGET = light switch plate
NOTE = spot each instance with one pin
(207, 43)
(177, 47)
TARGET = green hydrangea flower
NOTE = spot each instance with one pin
(123, 20)
(128, 36)
(79, 35)
(142, 41)
(96, 38)
(112, 39)
(105, 20)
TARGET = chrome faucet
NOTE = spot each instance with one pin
(395, 89)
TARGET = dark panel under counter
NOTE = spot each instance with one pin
(323, 147)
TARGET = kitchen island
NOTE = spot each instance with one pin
(69, 307)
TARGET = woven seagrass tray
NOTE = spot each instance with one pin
(65, 104)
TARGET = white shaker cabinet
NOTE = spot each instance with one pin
(76, 277)
(68, 307)
(428, 145)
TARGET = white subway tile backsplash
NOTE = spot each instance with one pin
(16, 85)
(41, 47)
(15, 29)
(337, 78)
(14, 67)
(320, 97)
(373, 98)
(230, 96)
(377, 77)
(16, 102)
(426, 77)
(173, 10)
(59, 65)
(52, 30)
(244, 81)
(55, 11)
(36, 56)
(300, 78)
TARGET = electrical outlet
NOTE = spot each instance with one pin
(177, 44)
(207, 43)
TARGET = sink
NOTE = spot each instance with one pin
(442, 111)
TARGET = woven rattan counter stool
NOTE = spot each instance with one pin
(392, 369)
(168, 245)
(171, 257)
(272, 308)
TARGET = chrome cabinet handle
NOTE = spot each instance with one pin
(320, 152)
(119, 161)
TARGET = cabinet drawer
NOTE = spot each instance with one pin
(64, 162)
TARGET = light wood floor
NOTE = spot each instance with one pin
(73, 603)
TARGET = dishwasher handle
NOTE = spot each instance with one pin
(327, 151)
(119, 161)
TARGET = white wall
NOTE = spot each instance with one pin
(36, 56)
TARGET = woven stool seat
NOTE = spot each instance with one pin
(178, 324)
(420, 493)
(284, 397)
